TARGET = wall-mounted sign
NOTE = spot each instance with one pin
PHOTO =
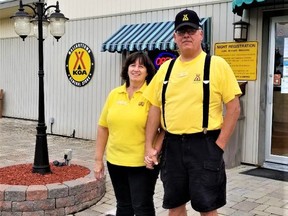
(80, 64)
(242, 57)
(159, 57)
(284, 85)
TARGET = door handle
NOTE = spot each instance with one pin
(270, 93)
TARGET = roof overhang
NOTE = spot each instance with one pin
(239, 5)
(9, 7)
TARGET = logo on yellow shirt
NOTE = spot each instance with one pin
(122, 102)
(197, 77)
(141, 103)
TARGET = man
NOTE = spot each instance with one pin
(192, 165)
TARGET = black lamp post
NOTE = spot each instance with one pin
(22, 24)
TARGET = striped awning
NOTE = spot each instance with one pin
(239, 5)
(148, 36)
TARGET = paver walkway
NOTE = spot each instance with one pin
(246, 195)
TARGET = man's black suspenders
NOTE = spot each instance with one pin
(206, 91)
(165, 84)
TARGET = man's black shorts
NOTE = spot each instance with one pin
(192, 168)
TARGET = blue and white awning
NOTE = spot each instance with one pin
(147, 36)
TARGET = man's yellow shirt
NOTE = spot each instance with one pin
(184, 93)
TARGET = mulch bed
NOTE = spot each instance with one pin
(22, 174)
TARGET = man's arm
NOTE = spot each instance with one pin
(159, 140)
(230, 121)
(153, 123)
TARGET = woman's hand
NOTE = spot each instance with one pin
(151, 158)
(99, 169)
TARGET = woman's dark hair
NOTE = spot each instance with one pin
(143, 59)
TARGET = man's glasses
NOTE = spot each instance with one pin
(189, 31)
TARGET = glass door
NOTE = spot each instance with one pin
(277, 93)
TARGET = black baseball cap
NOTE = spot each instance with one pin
(187, 18)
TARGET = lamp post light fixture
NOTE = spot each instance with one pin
(22, 25)
(240, 32)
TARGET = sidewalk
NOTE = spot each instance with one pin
(246, 195)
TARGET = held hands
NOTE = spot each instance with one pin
(151, 158)
(99, 169)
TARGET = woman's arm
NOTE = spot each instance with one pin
(101, 141)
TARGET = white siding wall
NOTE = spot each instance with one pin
(18, 77)
(75, 9)
(250, 146)
(75, 108)
(6, 28)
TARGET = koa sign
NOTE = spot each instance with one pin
(79, 64)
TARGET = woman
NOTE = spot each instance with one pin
(121, 131)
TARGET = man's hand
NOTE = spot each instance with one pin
(151, 158)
